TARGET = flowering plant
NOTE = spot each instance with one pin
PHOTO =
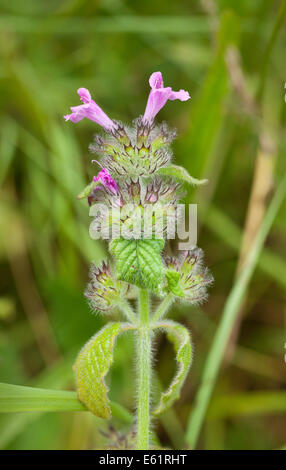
(136, 169)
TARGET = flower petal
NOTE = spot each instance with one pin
(181, 95)
(106, 179)
(159, 95)
(156, 80)
(156, 101)
(89, 110)
(84, 94)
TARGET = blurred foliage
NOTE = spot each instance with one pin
(48, 50)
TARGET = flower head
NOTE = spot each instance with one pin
(159, 96)
(104, 292)
(187, 277)
(90, 110)
(140, 152)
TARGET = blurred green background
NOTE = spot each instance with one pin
(230, 55)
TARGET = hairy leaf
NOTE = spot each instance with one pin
(179, 173)
(180, 337)
(139, 261)
(91, 367)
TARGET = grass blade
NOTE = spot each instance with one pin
(228, 320)
(19, 399)
(248, 404)
(269, 262)
(9, 136)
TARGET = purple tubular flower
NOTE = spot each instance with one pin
(159, 96)
(90, 110)
(106, 179)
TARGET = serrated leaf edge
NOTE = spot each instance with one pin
(146, 247)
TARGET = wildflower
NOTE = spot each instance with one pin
(137, 213)
(90, 110)
(159, 95)
(106, 179)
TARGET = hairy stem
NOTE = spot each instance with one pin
(144, 373)
(128, 312)
(163, 307)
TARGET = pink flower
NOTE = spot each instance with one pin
(90, 110)
(159, 96)
(106, 179)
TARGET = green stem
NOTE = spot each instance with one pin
(163, 307)
(144, 373)
(128, 312)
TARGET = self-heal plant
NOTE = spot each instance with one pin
(136, 169)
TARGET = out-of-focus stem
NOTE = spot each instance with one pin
(260, 191)
(262, 186)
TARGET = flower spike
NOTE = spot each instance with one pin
(90, 110)
(159, 96)
(134, 203)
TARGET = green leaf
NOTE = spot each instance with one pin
(91, 367)
(21, 399)
(180, 337)
(139, 262)
(173, 282)
(179, 173)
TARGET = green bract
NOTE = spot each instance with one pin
(180, 174)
